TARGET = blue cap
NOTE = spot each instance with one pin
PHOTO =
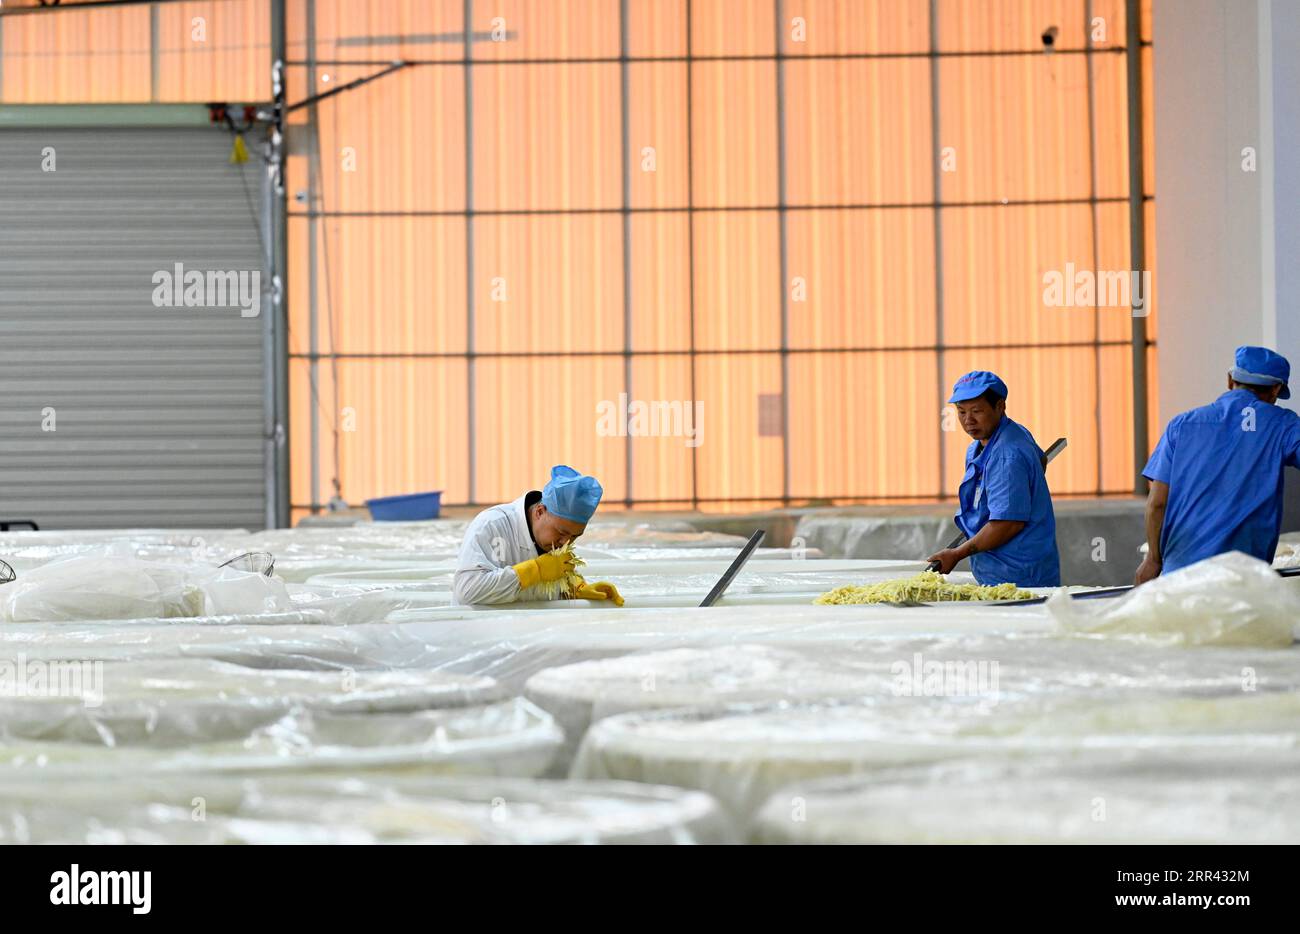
(570, 495)
(975, 383)
(1259, 366)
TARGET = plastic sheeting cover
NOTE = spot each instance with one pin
(742, 756)
(644, 578)
(993, 669)
(1288, 551)
(577, 694)
(513, 645)
(1230, 599)
(372, 808)
(29, 550)
(304, 552)
(1137, 796)
(507, 738)
(254, 646)
(117, 586)
(309, 616)
(177, 701)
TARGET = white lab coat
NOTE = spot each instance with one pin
(495, 542)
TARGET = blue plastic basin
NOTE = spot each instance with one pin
(410, 507)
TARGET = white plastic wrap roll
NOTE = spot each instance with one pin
(743, 756)
(177, 701)
(508, 738)
(1136, 796)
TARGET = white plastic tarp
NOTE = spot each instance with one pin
(505, 738)
(743, 755)
(972, 670)
(1230, 599)
(111, 585)
(172, 702)
(373, 807)
(1147, 796)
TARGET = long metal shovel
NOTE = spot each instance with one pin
(729, 575)
(1107, 592)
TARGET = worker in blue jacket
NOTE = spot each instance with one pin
(1216, 474)
(1005, 505)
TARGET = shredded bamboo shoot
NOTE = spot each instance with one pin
(566, 586)
(926, 587)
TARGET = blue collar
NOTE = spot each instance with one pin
(979, 458)
(1245, 392)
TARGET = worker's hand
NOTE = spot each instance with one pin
(1147, 570)
(948, 559)
(544, 568)
(602, 590)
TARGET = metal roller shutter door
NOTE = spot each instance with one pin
(160, 414)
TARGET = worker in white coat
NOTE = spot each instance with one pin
(507, 549)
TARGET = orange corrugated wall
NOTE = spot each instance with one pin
(704, 306)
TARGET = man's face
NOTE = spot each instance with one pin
(553, 532)
(978, 418)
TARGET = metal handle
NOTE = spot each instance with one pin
(935, 565)
(257, 562)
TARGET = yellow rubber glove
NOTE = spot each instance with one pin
(577, 588)
(546, 567)
(603, 590)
